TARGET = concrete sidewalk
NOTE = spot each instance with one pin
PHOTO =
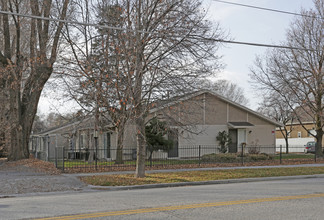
(26, 182)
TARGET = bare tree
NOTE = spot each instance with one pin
(100, 84)
(227, 89)
(172, 50)
(155, 47)
(297, 74)
(27, 58)
(276, 108)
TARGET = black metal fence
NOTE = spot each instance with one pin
(88, 160)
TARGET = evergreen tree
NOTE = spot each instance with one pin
(155, 132)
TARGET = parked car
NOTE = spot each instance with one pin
(310, 147)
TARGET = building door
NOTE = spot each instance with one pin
(174, 152)
(232, 148)
(241, 137)
(107, 145)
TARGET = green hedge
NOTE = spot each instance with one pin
(234, 158)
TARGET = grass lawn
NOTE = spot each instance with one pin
(193, 176)
(76, 163)
(294, 156)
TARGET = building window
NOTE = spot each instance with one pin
(299, 134)
(107, 144)
(81, 141)
(288, 134)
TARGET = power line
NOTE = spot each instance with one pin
(64, 21)
(268, 9)
(124, 29)
(261, 45)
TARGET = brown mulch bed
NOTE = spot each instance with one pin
(29, 165)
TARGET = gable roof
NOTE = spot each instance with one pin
(68, 125)
(75, 124)
(304, 114)
(174, 101)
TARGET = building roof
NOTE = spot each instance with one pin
(240, 124)
(304, 114)
(174, 101)
(75, 124)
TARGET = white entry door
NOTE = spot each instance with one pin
(241, 138)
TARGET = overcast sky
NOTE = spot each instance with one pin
(251, 25)
(243, 24)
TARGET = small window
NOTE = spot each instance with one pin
(81, 141)
(288, 134)
(299, 134)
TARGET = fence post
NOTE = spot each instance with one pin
(242, 153)
(96, 146)
(48, 148)
(96, 157)
(150, 157)
(55, 157)
(280, 153)
(199, 151)
(63, 159)
(36, 154)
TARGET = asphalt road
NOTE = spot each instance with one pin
(280, 199)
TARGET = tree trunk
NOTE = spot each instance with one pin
(287, 146)
(18, 148)
(90, 147)
(120, 144)
(140, 126)
(4, 111)
(25, 87)
(284, 133)
(319, 127)
(18, 141)
(319, 139)
(141, 148)
(138, 101)
(23, 108)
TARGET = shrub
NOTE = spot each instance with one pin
(253, 150)
(221, 158)
(257, 157)
(235, 158)
(270, 157)
(3, 151)
(224, 140)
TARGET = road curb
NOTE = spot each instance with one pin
(211, 182)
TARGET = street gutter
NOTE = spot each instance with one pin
(211, 182)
